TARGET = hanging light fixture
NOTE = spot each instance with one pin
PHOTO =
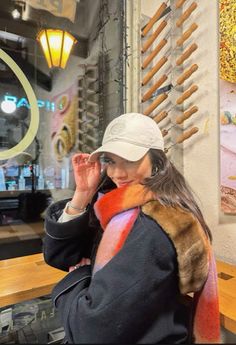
(56, 45)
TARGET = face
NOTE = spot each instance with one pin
(123, 172)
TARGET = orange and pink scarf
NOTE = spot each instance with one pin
(118, 211)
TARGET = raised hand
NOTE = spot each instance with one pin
(86, 174)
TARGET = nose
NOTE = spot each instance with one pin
(119, 173)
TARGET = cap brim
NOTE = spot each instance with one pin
(127, 151)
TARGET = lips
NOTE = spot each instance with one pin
(121, 184)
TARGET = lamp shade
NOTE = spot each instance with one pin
(56, 45)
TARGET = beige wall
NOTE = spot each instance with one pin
(202, 161)
(201, 154)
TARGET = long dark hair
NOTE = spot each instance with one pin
(171, 188)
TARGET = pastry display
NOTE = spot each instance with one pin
(65, 138)
(228, 146)
(227, 40)
(63, 104)
(228, 156)
(228, 200)
(227, 117)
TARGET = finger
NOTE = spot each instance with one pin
(98, 164)
(80, 157)
(88, 262)
(75, 157)
(84, 159)
(81, 263)
(97, 167)
(84, 261)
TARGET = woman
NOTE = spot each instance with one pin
(134, 242)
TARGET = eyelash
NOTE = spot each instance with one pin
(105, 160)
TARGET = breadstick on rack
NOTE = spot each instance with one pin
(164, 132)
(179, 3)
(187, 94)
(150, 57)
(187, 134)
(186, 14)
(186, 54)
(153, 88)
(184, 136)
(186, 74)
(180, 119)
(155, 34)
(161, 116)
(154, 70)
(155, 103)
(153, 20)
(179, 61)
(186, 34)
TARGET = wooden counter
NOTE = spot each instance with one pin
(28, 277)
(227, 295)
(25, 278)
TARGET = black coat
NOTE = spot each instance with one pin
(134, 299)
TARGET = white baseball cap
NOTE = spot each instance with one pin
(130, 136)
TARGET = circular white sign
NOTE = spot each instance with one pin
(34, 119)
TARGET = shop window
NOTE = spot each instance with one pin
(72, 106)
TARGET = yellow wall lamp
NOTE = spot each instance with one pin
(56, 45)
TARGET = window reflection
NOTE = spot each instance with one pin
(75, 104)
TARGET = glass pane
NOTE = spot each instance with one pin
(75, 104)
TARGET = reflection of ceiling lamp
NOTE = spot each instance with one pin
(56, 45)
(8, 107)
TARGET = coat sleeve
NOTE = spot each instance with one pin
(65, 244)
(112, 306)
